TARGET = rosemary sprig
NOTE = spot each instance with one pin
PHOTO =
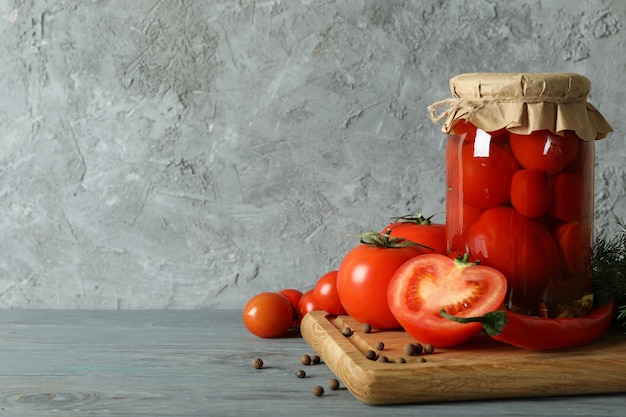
(609, 269)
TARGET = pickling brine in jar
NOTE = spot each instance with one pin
(519, 185)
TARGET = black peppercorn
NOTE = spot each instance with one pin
(257, 363)
(300, 373)
(410, 350)
(371, 355)
(318, 391)
(333, 384)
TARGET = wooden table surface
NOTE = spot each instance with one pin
(196, 363)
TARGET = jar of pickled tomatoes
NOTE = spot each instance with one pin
(520, 184)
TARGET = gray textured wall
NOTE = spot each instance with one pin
(169, 154)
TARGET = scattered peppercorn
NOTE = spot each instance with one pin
(257, 363)
(371, 355)
(418, 347)
(410, 350)
(383, 358)
(346, 331)
(422, 359)
(380, 346)
(318, 391)
(400, 360)
(305, 360)
(315, 359)
(333, 384)
(366, 327)
(300, 373)
(428, 348)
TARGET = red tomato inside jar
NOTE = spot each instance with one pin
(522, 200)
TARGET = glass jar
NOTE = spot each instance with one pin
(519, 180)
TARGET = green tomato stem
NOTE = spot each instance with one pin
(493, 322)
(385, 240)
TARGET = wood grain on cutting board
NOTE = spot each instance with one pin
(480, 369)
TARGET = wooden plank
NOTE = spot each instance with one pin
(197, 363)
(480, 369)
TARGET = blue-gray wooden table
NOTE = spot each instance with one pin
(196, 363)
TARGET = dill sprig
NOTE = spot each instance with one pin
(609, 269)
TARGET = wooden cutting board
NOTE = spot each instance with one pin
(479, 369)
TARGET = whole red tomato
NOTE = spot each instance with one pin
(530, 192)
(308, 303)
(585, 158)
(425, 285)
(521, 248)
(487, 171)
(268, 314)
(363, 278)
(460, 216)
(325, 293)
(571, 197)
(420, 230)
(294, 297)
(544, 150)
(464, 128)
(575, 240)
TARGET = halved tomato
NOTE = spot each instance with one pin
(427, 284)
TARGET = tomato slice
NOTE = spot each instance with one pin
(427, 284)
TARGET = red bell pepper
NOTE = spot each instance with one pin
(537, 333)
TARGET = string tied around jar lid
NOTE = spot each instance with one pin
(451, 106)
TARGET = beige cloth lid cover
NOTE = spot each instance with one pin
(522, 103)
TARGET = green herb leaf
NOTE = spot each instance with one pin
(609, 269)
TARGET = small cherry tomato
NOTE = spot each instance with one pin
(268, 314)
(308, 303)
(420, 230)
(530, 192)
(325, 293)
(427, 284)
(294, 297)
(521, 248)
(544, 150)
